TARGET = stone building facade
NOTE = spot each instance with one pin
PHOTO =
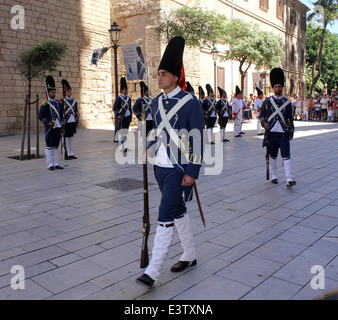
(84, 24)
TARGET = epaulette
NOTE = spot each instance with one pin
(44, 103)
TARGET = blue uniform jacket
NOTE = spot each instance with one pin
(267, 110)
(47, 114)
(189, 117)
(73, 111)
(140, 105)
(118, 106)
(206, 106)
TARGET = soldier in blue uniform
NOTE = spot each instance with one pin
(201, 96)
(177, 146)
(276, 118)
(142, 108)
(209, 108)
(122, 109)
(71, 116)
(222, 109)
(51, 115)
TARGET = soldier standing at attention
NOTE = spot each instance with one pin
(277, 119)
(71, 116)
(201, 95)
(222, 108)
(209, 108)
(143, 111)
(176, 166)
(122, 109)
(51, 115)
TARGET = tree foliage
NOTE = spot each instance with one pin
(198, 27)
(249, 45)
(32, 63)
(329, 58)
(327, 14)
(43, 56)
(246, 43)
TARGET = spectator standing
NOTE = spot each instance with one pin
(323, 102)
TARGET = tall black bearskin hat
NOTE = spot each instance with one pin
(123, 84)
(277, 77)
(172, 58)
(259, 91)
(221, 91)
(209, 89)
(65, 86)
(238, 90)
(50, 83)
(200, 91)
(190, 88)
(144, 88)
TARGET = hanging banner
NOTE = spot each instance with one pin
(134, 61)
(98, 54)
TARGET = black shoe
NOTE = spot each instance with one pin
(274, 181)
(260, 134)
(73, 157)
(68, 158)
(145, 279)
(181, 265)
(238, 136)
(290, 184)
(58, 167)
(51, 168)
(242, 132)
(226, 140)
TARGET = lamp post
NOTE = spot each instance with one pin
(114, 36)
(214, 54)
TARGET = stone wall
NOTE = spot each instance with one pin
(83, 25)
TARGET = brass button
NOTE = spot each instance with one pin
(167, 102)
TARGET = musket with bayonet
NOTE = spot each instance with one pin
(146, 219)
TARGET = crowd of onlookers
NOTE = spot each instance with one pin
(321, 107)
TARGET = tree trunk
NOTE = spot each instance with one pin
(318, 59)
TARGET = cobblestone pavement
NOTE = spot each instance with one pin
(77, 232)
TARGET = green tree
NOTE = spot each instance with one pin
(326, 11)
(33, 63)
(329, 73)
(248, 45)
(198, 27)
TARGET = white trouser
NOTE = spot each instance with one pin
(49, 157)
(209, 131)
(184, 229)
(288, 170)
(223, 135)
(273, 168)
(259, 127)
(162, 242)
(237, 126)
(123, 142)
(56, 156)
(69, 145)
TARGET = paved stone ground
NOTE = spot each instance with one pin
(78, 239)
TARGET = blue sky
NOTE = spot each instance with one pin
(308, 3)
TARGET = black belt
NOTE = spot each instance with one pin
(166, 225)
